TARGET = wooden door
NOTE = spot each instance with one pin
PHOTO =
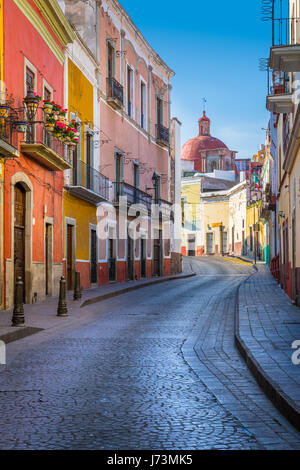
(111, 258)
(191, 245)
(94, 263)
(110, 60)
(19, 235)
(70, 256)
(143, 258)
(130, 265)
(159, 117)
(88, 168)
(75, 179)
(157, 255)
(224, 242)
(48, 248)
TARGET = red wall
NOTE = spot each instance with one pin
(22, 40)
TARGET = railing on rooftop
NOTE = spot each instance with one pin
(278, 13)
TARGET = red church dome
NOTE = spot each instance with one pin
(192, 149)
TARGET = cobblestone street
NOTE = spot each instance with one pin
(145, 370)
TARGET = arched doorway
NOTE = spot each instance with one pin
(19, 234)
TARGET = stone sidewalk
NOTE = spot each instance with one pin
(42, 315)
(266, 326)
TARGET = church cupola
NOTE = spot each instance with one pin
(204, 125)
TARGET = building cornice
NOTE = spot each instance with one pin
(41, 28)
(137, 34)
(54, 16)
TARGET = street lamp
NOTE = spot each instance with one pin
(31, 103)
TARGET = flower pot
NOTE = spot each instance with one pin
(21, 126)
(4, 109)
(50, 126)
(47, 108)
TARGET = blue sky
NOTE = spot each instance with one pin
(214, 48)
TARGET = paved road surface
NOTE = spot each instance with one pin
(152, 369)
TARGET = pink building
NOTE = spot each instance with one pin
(134, 105)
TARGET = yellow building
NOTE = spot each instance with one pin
(254, 231)
(84, 186)
(214, 216)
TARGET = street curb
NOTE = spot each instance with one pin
(109, 295)
(20, 333)
(283, 403)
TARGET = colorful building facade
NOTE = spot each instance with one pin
(214, 216)
(84, 186)
(134, 100)
(85, 119)
(33, 56)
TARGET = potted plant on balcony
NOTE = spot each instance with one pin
(21, 126)
(47, 107)
(50, 122)
(4, 110)
(6, 105)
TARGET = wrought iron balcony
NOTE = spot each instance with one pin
(280, 99)
(44, 147)
(162, 135)
(8, 137)
(88, 184)
(278, 13)
(134, 195)
(114, 91)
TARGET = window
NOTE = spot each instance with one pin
(129, 91)
(47, 94)
(159, 111)
(30, 80)
(110, 60)
(89, 159)
(136, 175)
(251, 239)
(143, 105)
(157, 189)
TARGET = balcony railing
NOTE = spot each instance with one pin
(114, 91)
(280, 98)
(87, 183)
(8, 137)
(162, 134)
(134, 195)
(280, 86)
(43, 146)
(277, 12)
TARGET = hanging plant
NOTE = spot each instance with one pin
(21, 126)
(47, 107)
(4, 110)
